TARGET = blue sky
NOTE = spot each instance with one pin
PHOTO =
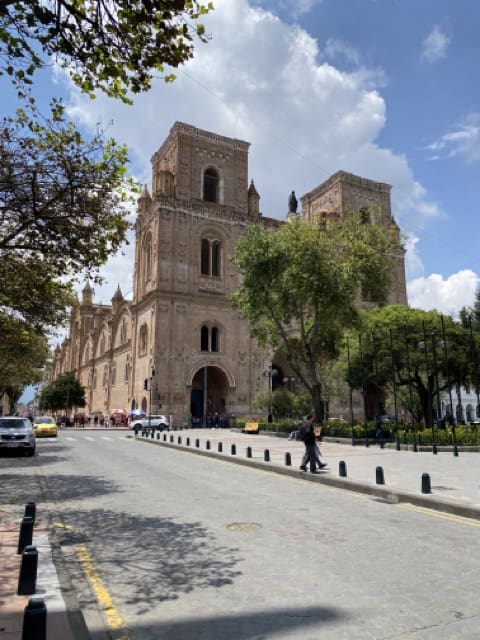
(386, 89)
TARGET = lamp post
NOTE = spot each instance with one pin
(407, 353)
(350, 391)
(474, 367)
(452, 416)
(423, 345)
(270, 372)
(364, 390)
(394, 384)
(152, 375)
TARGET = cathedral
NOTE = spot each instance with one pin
(178, 348)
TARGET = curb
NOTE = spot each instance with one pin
(390, 495)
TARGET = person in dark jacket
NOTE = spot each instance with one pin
(312, 452)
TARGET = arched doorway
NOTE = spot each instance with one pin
(209, 396)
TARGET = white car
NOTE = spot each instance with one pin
(153, 422)
(16, 434)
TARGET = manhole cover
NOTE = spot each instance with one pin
(243, 526)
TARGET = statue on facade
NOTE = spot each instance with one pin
(292, 203)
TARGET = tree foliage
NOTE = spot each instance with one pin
(301, 285)
(23, 355)
(470, 316)
(412, 349)
(116, 46)
(62, 394)
(63, 211)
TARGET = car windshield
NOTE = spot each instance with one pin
(19, 423)
(43, 420)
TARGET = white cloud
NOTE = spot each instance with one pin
(261, 80)
(446, 295)
(335, 48)
(463, 140)
(434, 46)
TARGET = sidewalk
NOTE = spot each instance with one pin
(454, 481)
(12, 606)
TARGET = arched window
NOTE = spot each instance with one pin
(123, 331)
(211, 257)
(126, 373)
(147, 256)
(216, 258)
(94, 383)
(143, 340)
(204, 339)
(105, 376)
(114, 373)
(101, 349)
(86, 353)
(211, 182)
(209, 339)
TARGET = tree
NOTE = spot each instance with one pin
(470, 316)
(409, 344)
(64, 211)
(63, 394)
(300, 285)
(116, 46)
(23, 356)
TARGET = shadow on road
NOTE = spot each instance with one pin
(248, 626)
(149, 560)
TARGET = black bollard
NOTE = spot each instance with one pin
(179, 440)
(234, 450)
(35, 620)
(266, 455)
(197, 443)
(342, 469)
(171, 438)
(249, 452)
(30, 510)
(152, 435)
(26, 533)
(207, 444)
(397, 442)
(164, 437)
(188, 442)
(220, 447)
(288, 459)
(380, 479)
(158, 435)
(426, 486)
(27, 578)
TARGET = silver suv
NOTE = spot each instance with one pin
(16, 434)
(156, 422)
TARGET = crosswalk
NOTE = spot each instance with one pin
(81, 437)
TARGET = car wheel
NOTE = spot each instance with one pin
(31, 452)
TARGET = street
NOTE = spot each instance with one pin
(176, 546)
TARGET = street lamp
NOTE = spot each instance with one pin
(423, 345)
(152, 375)
(452, 417)
(270, 372)
(350, 386)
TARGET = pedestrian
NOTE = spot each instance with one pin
(312, 451)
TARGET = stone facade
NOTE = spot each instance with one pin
(179, 335)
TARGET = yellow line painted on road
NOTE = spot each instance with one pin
(440, 514)
(114, 619)
(60, 525)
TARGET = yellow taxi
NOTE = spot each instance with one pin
(45, 426)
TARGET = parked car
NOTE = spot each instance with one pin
(155, 422)
(45, 426)
(16, 434)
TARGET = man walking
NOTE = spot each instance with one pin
(312, 452)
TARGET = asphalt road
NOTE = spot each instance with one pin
(174, 546)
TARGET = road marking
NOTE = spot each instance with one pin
(114, 619)
(440, 514)
(60, 525)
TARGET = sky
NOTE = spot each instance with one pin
(385, 89)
